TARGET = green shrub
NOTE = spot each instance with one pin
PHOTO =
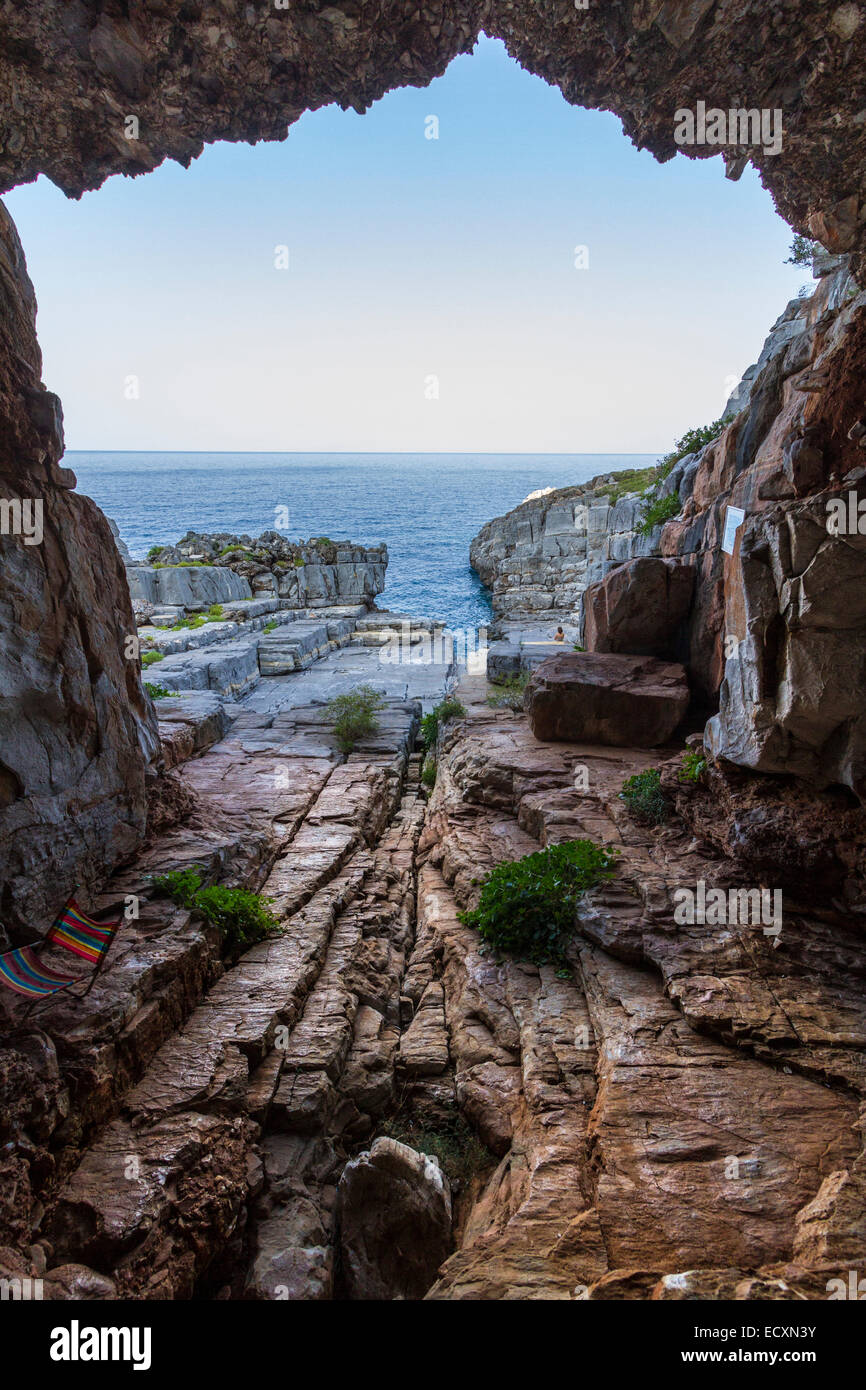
(241, 918)
(148, 658)
(269, 627)
(691, 443)
(693, 767)
(658, 510)
(801, 251)
(299, 562)
(644, 797)
(428, 772)
(527, 906)
(354, 715)
(509, 692)
(448, 708)
(215, 613)
(631, 480)
(154, 551)
(158, 692)
(460, 1152)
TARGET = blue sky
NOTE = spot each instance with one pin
(431, 300)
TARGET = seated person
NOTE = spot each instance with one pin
(559, 635)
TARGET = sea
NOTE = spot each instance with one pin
(425, 507)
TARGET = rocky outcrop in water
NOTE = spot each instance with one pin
(538, 559)
(317, 573)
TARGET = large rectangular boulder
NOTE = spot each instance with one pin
(639, 607)
(593, 697)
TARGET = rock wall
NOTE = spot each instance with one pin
(776, 629)
(778, 626)
(538, 559)
(318, 573)
(77, 732)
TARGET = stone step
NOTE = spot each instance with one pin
(229, 668)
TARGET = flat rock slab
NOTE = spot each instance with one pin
(593, 697)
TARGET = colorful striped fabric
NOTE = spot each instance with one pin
(23, 971)
(79, 934)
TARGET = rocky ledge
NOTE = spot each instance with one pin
(678, 1113)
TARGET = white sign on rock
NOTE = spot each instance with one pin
(734, 518)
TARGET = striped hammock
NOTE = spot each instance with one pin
(23, 971)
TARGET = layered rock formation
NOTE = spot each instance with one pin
(318, 573)
(77, 732)
(678, 1115)
(682, 1115)
(538, 559)
(772, 628)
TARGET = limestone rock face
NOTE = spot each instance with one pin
(192, 588)
(639, 607)
(318, 573)
(586, 697)
(395, 1222)
(538, 558)
(77, 731)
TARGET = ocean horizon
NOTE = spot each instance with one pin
(425, 507)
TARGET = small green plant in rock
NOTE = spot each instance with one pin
(658, 510)
(354, 715)
(460, 1152)
(153, 552)
(509, 692)
(644, 797)
(215, 613)
(801, 251)
(157, 692)
(693, 766)
(148, 658)
(269, 627)
(440, 714)
(242, 918)
(691, 443)
(428, 772)
(527, 906)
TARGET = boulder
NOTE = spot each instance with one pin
(593, 697)
(395, 1222)
(638, 607)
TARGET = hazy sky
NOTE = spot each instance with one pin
(410, 259)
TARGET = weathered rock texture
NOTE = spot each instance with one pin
(74, 72)
(775, 632)
(640, 607)
(587, 697)
(318, 573)
(394, 1218)
(538, 559)
(681, 1117)
(77, 731)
